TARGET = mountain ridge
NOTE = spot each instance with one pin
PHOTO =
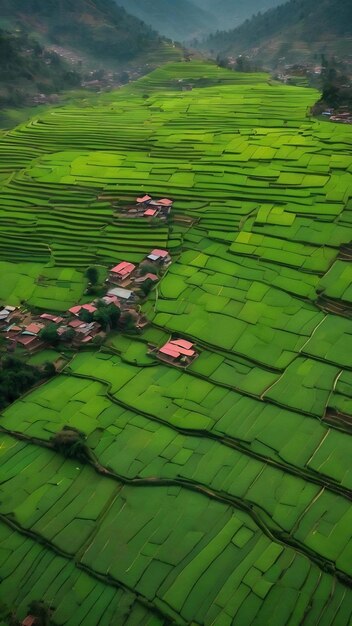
(97, 27)
(298, 30)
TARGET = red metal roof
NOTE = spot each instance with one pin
(182, 343)
(185, 352)
(75, 323)
(160, 253)
(123, 268)
(87, 339)
(34, 328)
(165, 202)
(52, 318)
(89, 307)
(150, 212)
(25, 340)
(75, 309)
(144, 199)
(153, 277)
(169, 350)
(174, 349)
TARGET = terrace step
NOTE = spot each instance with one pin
(337, 307)
(346, 252)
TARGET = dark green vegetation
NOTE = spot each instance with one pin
(220, 494)
(98, 29)
(16, 377)
(298, 30)
(336, 85)
(27, 68)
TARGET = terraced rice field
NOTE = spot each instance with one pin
(219, 495)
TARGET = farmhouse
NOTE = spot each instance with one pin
(147, 207)
(178, 352)
(7, 315)
(144, 200)
(47, 318)
(31, 343)
(75, 310)
(142, 279)
(151, 213)
(159, 257)
(121, 273)
(33, 328)
(124, 295)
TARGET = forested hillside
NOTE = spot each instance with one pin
(27, 68)
(98, 28)
(298, 30)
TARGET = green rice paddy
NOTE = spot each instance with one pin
(221, 493)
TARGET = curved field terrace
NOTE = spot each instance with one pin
(217, 492)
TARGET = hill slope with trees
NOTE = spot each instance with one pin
(299, 30)
(27, 69)
(96, 28)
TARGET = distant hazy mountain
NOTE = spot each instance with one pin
(97, 27)
(297, 31)
(177, 19)
(231, 13)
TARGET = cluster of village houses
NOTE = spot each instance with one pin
(343, 117)
(126, 284)
(148, 208)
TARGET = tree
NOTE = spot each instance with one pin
(146, 268)
(49, 370)
(147, 286)
(50, 335)
(72, 443)
(92, 275)
(68, 335)
(41, 611)
(102, 317)
(85, 316)
(114, 314)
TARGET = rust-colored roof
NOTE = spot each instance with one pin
(144, 198)
(75, 323)
(25, 340)
(34, 328)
